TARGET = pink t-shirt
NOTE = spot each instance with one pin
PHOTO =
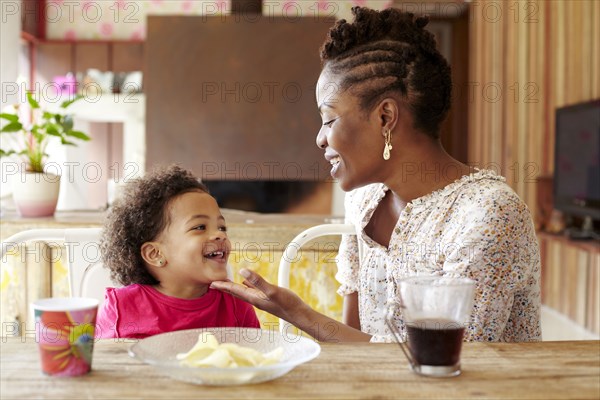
(138, 311)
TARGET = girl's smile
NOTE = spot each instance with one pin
(194, 246)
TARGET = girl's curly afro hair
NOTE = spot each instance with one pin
(139, 216)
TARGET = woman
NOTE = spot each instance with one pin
(383, 92)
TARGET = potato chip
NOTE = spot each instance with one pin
(207, 352)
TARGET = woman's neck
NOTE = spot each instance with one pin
(426, 168)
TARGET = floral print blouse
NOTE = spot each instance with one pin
(476, 227)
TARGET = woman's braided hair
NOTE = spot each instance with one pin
(389, 51)
(139, 216)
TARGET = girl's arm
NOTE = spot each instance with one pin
(285, 304)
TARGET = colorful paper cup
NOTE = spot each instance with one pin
(65, 334)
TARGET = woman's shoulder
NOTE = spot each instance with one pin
(488, 204)
(486, 190)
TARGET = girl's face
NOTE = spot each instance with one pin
(194, 243)
(353, 141)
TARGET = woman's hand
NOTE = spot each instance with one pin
(285, 304)
(273, 299)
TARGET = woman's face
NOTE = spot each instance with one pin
(352, 139)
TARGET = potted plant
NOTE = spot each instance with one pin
(36, 191)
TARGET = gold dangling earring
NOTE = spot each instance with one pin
(388, 145)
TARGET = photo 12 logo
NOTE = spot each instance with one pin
(71, 12)
(52, 92)
(251, 92)
(72, 171)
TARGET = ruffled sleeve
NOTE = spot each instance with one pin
(347, 258)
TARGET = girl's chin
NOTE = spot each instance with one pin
(219, 275)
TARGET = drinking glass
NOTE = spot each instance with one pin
(436, 311)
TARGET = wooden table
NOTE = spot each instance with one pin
(545, 370)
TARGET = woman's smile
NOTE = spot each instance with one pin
(335, 161)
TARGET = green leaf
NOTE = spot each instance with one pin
(32, 102)
(12, 127)
(67, 103)
(78, 135)
(7, 153)
(10, 117)
(52, 129)
(48, 115)
(38, 135)
(67, 123)
(66, 142)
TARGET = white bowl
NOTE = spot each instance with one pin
(160, 351)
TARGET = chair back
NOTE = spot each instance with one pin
(291, 251)
(86, 275)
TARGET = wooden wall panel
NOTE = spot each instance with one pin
(52, 60)
(92, 56)
(558, 10)
(595, 50)
(570, 279)
(520, 150)
(128, 57)
(455, 128)
(554, 267)
(531, 97)
(550, 86)
(549, 57)
(566, 282)
(509, 75)
(581, 276)
(493, 94)
(593, 294)
(585, 50)
(475, 107)
(234, 101)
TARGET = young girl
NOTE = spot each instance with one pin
(165, 240)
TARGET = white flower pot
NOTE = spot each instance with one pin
(36, 194)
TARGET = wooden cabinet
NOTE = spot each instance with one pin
(570, 279)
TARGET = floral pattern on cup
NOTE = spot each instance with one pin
(66, 341)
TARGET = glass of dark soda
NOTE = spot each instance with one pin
(435, 310)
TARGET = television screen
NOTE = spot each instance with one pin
(577, 155)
